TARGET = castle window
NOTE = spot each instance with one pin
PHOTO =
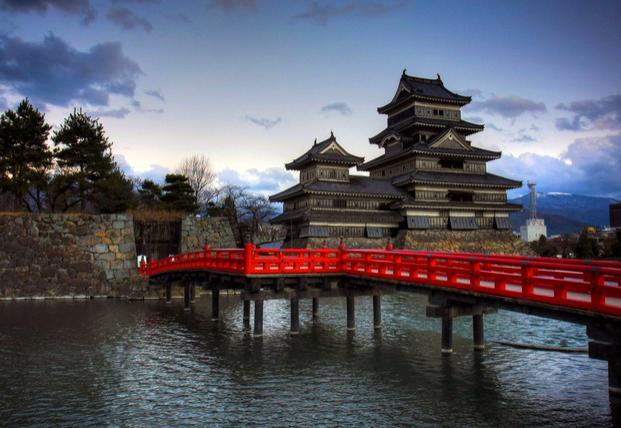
(455, 196)
(339, 203)
(451, 163)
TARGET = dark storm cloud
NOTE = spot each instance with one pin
(128, 20)
(604, 113)
(508, 107)
(338, 107)
(53, 72)
(155, 94)
(72, 7)
(263, 121)
(589, 166)
(322, 11)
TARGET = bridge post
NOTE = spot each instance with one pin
(186, 296)
(377, 311)
(351, 317)
(192, 293)
(215, 304)
(258, 318)
(246, 314)
(315, 308)
(477, 332)
(168, 288)
(295, 315)
(447, 334)
(605, 344)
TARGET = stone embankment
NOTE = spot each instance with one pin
(81, 256)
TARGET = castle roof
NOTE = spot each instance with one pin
(454, 179)
(328, 151)
(418, 88)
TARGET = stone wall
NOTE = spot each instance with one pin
(470, 241)
(197, 232)
(47, 255)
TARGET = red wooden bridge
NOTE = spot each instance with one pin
(458, 284)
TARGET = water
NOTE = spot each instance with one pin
(150, 364)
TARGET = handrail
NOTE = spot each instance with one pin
(579, 284)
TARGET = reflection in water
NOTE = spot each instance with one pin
(116, 362)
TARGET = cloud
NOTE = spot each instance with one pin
(492, 126)
(589, 166)
(339, 107)
(118, 113)
(604, 113)
(508, 107)
(236, 4)
(155, 94)
(474, 93)
(155, 172)
(53, 72)
(263, 121)
(265, 182)
(523, 138)
(128, 20)
(137, 105)
(70, 7)
(322, 12)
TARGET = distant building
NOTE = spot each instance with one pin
(429, 176)
(615, 215)
(534, 227)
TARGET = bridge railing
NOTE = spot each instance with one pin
(588, 285)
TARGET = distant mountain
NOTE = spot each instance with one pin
(565, 212)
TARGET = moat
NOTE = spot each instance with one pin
(112, 362)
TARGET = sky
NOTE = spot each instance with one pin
(251, 83)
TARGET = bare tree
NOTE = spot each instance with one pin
(200, 177)
(255, 210)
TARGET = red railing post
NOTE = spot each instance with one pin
(527, 276)
(339, 262)
(597, 289)
(248, 257)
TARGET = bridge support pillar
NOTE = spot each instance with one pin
(477, 332)
(440, 306)
(605, 344)
(258, 317)
(315, 308)
(351, 317)
(447, 334)
(192, 293)
(246, 314)
(168, 288)
(215, 304)
(295, 316)
(186, 296)
(377, 311)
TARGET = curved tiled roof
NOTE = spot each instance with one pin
(314, 154)
(438, 177)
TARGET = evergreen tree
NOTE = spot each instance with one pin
(150, 195)
(178, 195)
(25, 157)
(586, 247)
(114, 193)
(84, 154)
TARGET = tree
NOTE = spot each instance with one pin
(25, 157)
(84, 155)
(200, 177)
(255, 210)
(113, 193)
(178, 195)
(586, 247)
(150, 195)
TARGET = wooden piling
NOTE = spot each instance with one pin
(315, 308)
(215, 304)
(192, 293)
(377, 311)
(186, 296)
(258, 318)
(447, 334)
(168, 292)
(246, 314)
(295, 316)
(478, 333)
(351, 318)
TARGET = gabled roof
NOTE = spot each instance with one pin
(358, 185)
(456, 179)
(412, 87)
(414, 122)
(326, 151)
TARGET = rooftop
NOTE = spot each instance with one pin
(326, 151)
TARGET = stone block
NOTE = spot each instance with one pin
(101, 248)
